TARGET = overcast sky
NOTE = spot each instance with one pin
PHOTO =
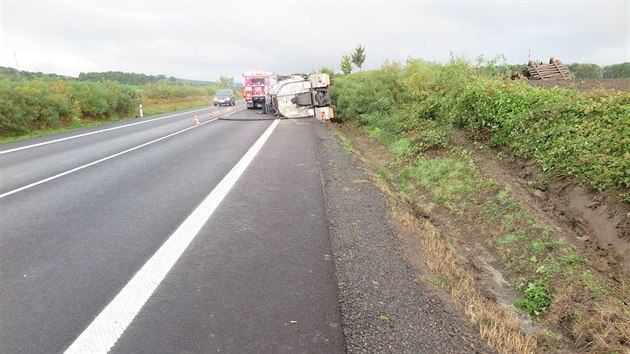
(204, 39)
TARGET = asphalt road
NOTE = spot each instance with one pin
(81, 218)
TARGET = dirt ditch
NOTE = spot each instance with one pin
(596, 226)
(597, 222)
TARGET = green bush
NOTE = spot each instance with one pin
(42, 104)
(414, 107)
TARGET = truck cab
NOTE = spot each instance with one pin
(255, 86)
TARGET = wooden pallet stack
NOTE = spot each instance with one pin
(555, 70)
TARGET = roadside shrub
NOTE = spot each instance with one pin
(13, 119)
(46, 104)
(564, 130)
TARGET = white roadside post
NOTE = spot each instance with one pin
(140, 107)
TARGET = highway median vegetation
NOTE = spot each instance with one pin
(420, 109)
(39, 105)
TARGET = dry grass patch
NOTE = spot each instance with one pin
(497, 324)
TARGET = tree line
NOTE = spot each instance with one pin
(136, 79)
(125, 78)
(579, 70)
(594, 71)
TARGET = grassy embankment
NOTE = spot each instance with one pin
(36, 107)
(417, 108)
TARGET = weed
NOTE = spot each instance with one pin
(509, 239)
(489, 184)
(541, 245)
(520, 284)
(537, 298)
(594, 283)
(552, 334)
(529, 221)
(492, 209)
(382, 174)
(435, 280)
(572, 259)
(448, 179)
(344, 142)
(508, 220)
(506, 200)
(548, 270)
(401, 148)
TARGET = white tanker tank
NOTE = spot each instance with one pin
(297, 97)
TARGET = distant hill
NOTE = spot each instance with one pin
(136, 79)
(13, 74)
(118, 76)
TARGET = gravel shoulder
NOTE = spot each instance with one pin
(387, 305)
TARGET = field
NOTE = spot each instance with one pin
(622, 84)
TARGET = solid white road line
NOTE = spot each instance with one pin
(97, 161)
(103, 333)
(98, 131)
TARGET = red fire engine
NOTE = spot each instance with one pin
(255, 86)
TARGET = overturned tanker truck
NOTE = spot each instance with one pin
(298, 97)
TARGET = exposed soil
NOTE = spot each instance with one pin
(595, 223)
(621, 84)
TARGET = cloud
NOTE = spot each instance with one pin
(202, 40)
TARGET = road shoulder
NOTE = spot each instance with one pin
(385, 304)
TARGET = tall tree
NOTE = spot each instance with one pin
(358, 56)
(226, 81)
(346, 65)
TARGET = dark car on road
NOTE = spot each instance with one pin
(224, 97)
